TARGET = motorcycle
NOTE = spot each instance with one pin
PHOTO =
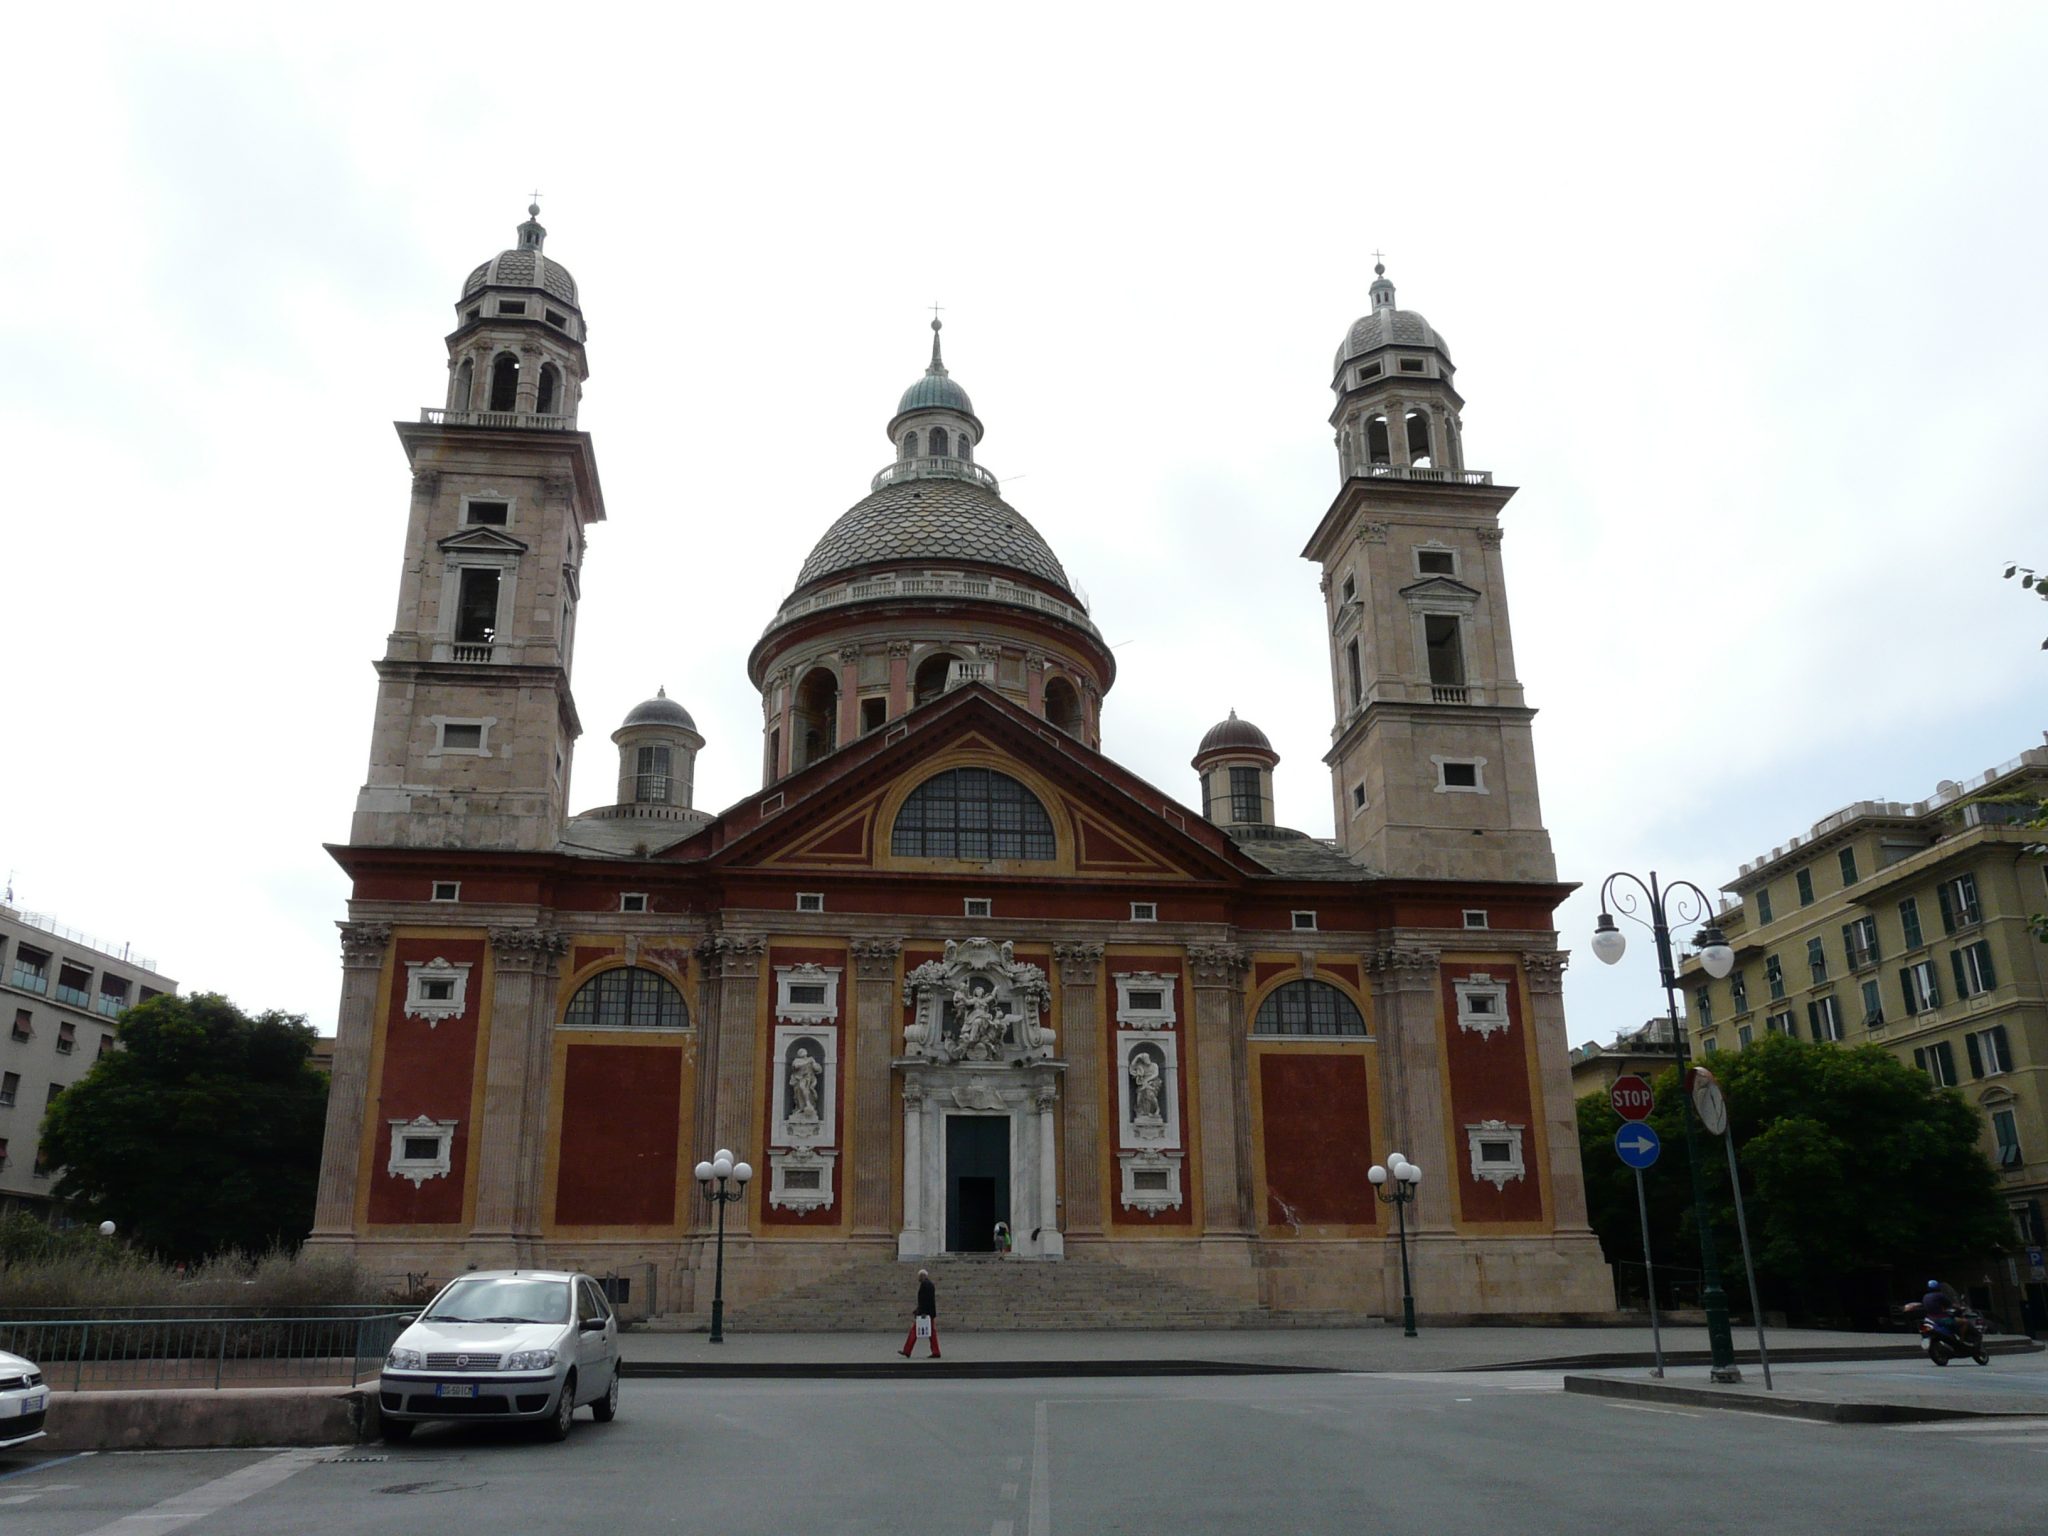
(1961, 1332)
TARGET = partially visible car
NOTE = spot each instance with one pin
(506, 1345)
(24, 1401)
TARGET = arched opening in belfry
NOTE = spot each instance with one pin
(1378, 450)
(935, 443)
(461, 392)
(1063, 705)
(550, 389)
(505, 383)
(963, 449)
(1344, 459)
(931, 677)
(909, 445)
(816, 722)
(1420, 453)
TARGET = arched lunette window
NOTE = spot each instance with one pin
(627, 997)
(1308, 1008)
(461, 394)
(505, 383)
(972, 813)
(550, 389)
(935, 442)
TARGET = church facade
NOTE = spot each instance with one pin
(952, 977)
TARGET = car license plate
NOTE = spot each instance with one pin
(454, 1389)
(27, 1405)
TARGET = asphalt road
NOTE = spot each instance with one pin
(1503, 1452)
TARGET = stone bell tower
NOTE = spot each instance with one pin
(1432, 764)
(475, 722)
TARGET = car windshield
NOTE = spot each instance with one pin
(501, 1301)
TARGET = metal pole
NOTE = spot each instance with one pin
(1720, 1340)
(718, 1279)
(1756, 1305)
(1407, 1288)
(1650, 1276)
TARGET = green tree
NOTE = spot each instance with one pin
(1854, 1166)
(2032, 581)
(201, 1135)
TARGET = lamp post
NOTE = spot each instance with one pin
(714, 1176)
(1717, 960)
(1402, 1176)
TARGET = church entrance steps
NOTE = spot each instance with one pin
(983, 1293)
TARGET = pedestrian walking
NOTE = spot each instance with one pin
(924, 1323)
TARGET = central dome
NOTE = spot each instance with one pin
(935, 520)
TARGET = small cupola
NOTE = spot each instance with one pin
(516, 358)
(658, 746)
(935, 427)
(1235, 763)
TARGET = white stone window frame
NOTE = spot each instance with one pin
(1477, 918)
(1295, 923)
(1151, 1201)
(1499, 1171)
(440, 723)
(806, 1134)
(1130, 1016)
(633, 901)
(1359, 799)
(788, 1011)
(420, 1169)
(1438, 547)
(453, 889)
(810, 901)
(1144, 911)
(1482, 1022)
(463, 558)
(434, 1009)
(1167, 1134)
(510, 503)
(1478, 767)
(979, 906)
(783, 1162)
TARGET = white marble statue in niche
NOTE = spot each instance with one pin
(979, 1004)
(1148, 1078)
(802, 1078)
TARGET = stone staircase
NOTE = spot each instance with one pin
(980, 1293)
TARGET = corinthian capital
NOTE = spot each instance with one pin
(364, 943)
(875, 959)
(1545, 970)
(1078, 963)
(527, 949)
(727, 956)
(1217, 965)
(1406, 965)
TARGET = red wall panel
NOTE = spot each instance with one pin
(428, 1069)
(1489, 1080)
(620, 1117)
(1318, 1139)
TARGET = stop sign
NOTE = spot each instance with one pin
(1631, 1098)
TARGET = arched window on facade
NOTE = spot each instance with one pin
(1377, 448)
(910, 445)
(461, 391)
(505, 383)
(964, 449)
(1308, 1008)
(1063, 705)
(1419, 451)
(627, 998)
(935, 442)
(931, 677)
(972, 813)
(817, 717)
(550, 389)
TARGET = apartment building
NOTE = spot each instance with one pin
(61, 992)
(1910, 925)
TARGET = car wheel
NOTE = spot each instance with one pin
(565, 1410)
(606, 1408)
(398, 1431)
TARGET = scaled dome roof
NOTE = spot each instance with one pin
(936, 519)
(524, 266)
(1234, 733)
(1388, 327)
(659, 710)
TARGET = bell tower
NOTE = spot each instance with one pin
(1432, 761)
(475, 721)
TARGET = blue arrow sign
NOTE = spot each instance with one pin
(1637, 1145)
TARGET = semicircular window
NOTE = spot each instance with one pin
(1308, 1008)
(627, 998)
(972, 813)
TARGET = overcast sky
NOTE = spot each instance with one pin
(1748, 302)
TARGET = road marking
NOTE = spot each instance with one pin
(1009, 1491)
(1041, 1474)
(44, 1466)
(1999, 1426)
(1677, 1413)
(210, 1499)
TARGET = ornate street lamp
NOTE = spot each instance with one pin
(714, 1176)
(1394, 1185)
(1717, 960)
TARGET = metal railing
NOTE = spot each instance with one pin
(121, 952)
(77, 997)
(933, 469)
(27, 980)
(88, 1353)
(531, 421)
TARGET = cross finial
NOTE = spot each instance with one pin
(935, 315)
(534, 195)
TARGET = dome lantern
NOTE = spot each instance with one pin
(658, 746)
(1397, 407)
(1235, 764)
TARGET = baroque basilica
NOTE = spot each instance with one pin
(951, 979)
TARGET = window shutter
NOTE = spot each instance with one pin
(1912, 993)
(1984, 965)
(1976, 1056)
(1813, 1020)
(1920, 1058)
(2001, 1048)
(1948, 908)
(1955, 960)
(1945, 1054)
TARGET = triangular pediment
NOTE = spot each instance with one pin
(838, 814)
(483, 541)
(1440, 586)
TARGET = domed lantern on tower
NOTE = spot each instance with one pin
(516, 355)
(658, 746)
(1235, 763)
(931, 582)
(1397, 409)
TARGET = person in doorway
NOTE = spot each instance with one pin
(925, 1320)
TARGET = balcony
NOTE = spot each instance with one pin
(523, 421)
(28, 980)
(466, 651)
(934, 469)
(1449, 693)
(111, 1007)
(77, 997)
(1429, 476)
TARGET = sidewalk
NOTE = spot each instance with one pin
(1189, 1352)
(1915, 1392)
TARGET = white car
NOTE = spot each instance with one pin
(504, 1346)
(24, 1400)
